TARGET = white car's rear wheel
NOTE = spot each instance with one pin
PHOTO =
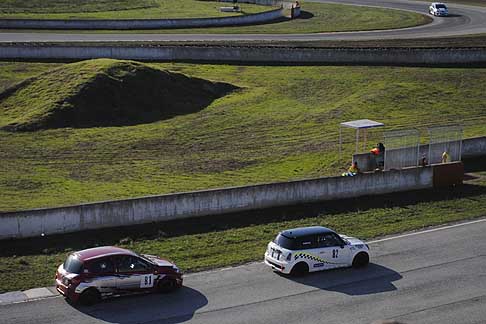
(300, 269)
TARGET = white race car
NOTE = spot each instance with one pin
(301, 250)
(438, 9)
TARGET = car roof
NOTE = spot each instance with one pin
(101, 251)
(438, 3)
(304, 231)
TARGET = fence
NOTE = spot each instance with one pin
(401, 148)
(445, 139)
(470, 147)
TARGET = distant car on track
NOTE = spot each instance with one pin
(308, 249)
(88, 275)
(438, 9)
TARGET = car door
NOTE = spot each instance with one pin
(333, 250)
(100, 273)
(309, 253)
(133, 273)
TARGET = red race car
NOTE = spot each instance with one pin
(89, 275)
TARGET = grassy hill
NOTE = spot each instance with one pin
(103, 93)
(281, 125)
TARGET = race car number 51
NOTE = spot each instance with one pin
(147, 281)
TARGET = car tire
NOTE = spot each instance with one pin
(299, 270)
(90, 297)
(361, 260)
(166, 286)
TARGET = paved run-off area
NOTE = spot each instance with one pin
(424, 277)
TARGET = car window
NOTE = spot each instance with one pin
(73, 265)
(103, 265)
(129, 263)
(328, 240)
(286, 242)
(440, 6)
(308, 242)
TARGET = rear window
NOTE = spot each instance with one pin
(285, 242)
(73, 265)
(305, 242)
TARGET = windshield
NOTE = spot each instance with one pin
(146, 258)
(441, 6)
(73, 265)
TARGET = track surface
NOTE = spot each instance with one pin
(436, 276)
(463, 20)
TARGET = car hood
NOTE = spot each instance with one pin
(354, 241)
(159, 261)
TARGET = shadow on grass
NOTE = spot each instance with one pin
(305, 15)
(176, 307)
(372, 279)
(114, 236)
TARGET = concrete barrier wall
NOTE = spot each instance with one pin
(257, 18)
(236, 54)
(33, 223)
(259, 2)
(471, 147)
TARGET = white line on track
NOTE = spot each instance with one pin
(428, 231)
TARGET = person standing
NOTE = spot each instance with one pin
(445, 157)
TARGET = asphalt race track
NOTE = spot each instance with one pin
(436, 276)
(463, 20)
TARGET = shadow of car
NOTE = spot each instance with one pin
(372, 279)
(176, 307)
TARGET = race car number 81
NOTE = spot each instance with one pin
(147, 281)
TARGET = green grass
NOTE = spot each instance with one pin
(282, 125)
(319, 17)
(316, 17)
(32, 263)
(118, 9)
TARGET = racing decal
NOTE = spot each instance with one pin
(318, 265)
(308, 256)
(147, 281)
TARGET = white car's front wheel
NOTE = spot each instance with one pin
(361, 260)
